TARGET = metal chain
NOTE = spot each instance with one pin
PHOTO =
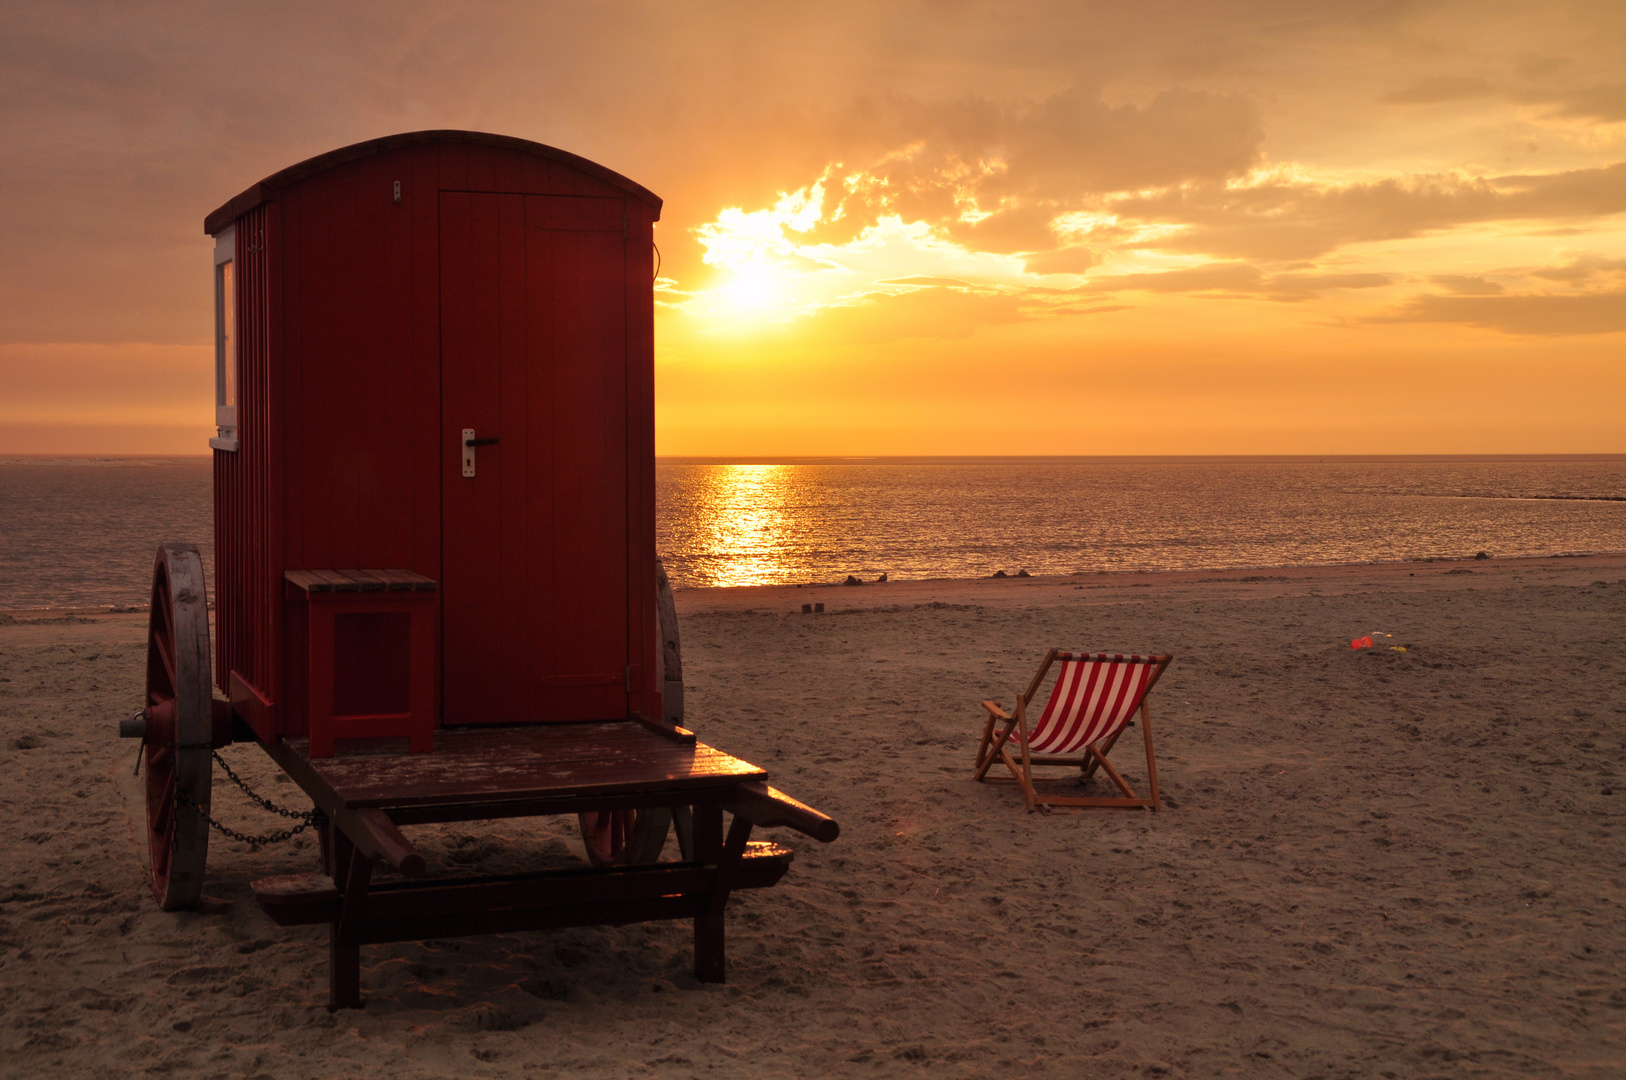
(306, 820)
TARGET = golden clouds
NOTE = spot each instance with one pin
(993, 247)
(878, 215)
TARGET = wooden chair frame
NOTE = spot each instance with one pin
(994, 749)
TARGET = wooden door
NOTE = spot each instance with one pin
(535, 544)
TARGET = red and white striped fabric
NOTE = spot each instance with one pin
(1094, 696)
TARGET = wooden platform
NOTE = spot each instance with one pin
(368, 789)
(559, 765)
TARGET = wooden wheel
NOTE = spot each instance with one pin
(636, 837)
(625, 837)
(177, 735)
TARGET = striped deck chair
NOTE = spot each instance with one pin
(1094, 698)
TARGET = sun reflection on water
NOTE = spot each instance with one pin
(743, 521)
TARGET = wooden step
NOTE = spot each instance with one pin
(311, 899)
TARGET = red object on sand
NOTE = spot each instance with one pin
(434, 482)
(1095, 695)
(1361, 643)
(443, 354)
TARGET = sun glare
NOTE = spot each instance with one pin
(750, 288)
(773, 266)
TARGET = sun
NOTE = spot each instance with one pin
(751, 288)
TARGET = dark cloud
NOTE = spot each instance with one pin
(1280, 221)
(1433, 89)
(1074, 144)
(1020, 165)
(1582, 269)
(1605, 103)
(1467, 284)
(1538, 84)
(1067, 260)
(1311, 286)
(124, 123)
(1591, 313)
(1531, 66)
(1238, 279)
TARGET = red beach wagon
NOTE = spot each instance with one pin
(438, 597)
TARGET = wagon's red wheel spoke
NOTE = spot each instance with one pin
(166, 811)
(166, 656)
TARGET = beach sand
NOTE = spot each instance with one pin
(1369, 863)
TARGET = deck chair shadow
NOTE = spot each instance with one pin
(1093, 700)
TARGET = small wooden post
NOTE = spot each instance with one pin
(708, 925)
(353, 872)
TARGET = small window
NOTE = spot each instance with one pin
(225, 342)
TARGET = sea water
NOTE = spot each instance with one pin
(726, 523)
(82, 532)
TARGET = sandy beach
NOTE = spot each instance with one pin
(1370, 864)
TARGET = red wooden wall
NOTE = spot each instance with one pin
(345, 450)
(247, 540)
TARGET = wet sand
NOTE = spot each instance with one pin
(1370, 863)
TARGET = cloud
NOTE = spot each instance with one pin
(1311, 286)
(995, 175)
(1233, 277)
(1467, 284)
(1583, 268)
(934, 312)
(1588, 313)
(923, 281)
(1298, 218)
(1433, 89)
(1604, 102)
(1073, 143)
(1067, 260)
(1238, 279)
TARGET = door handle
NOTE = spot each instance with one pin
(469, 443)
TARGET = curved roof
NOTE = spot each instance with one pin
(268, 187)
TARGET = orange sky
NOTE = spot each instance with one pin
(950, 227)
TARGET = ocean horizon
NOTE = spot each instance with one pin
(79, 531)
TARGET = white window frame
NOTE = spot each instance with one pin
(226, 415)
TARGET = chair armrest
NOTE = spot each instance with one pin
(998, 713)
